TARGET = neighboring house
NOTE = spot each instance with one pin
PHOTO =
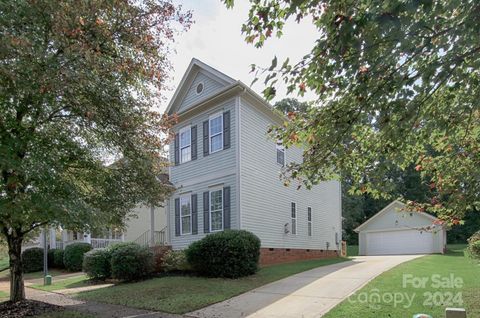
(147, 227)
(226, 170)
(395, 230)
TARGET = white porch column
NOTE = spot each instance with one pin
(152, 225)
(87, 237)
(41, 238)
(53, 237)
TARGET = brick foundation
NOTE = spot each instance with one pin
(270, 256)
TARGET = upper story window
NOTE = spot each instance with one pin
(216, 132)
(294, 218)
(309, 219)
(280, 154)
(185, 144)
(185, 215)
(216, 210)
(199, 88)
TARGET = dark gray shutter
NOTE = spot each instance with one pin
(177, 217)
(206, 212)
(226, 130)
(226, 208)
(194, 142)
(194, 214)
(177, 149)
(206, 146)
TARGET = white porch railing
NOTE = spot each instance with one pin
(102, 243)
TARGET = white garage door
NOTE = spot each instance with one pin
(399, 242)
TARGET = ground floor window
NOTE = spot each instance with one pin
(309, 219)
(185, 215)
(216, 210)
(294, 218)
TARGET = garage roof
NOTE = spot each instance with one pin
(386, 209)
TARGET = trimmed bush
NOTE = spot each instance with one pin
(32, 260)
(73, 256)
(131, 261)
(175, 261)
(58, 258)
(96, 264)
(231, 253)
(474, 245)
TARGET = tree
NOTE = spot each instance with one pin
(287, 105)
(77, 82)
(398, 85)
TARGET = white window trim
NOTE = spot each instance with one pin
(203, 88)
(190, 215)
(310, 222)
(184, 129)
(294, 218)
(210, 136)
(280, 147)
(210, 208)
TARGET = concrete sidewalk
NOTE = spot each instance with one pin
(309, 294)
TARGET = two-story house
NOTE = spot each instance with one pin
(226, 169)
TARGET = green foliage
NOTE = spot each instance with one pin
(32, 260)
(131, 262)
(58, 258)
(175, 261)
(230, 253)
(474, 245)
(96, 264)
(287, 105)
(397, 85)
(78, 80)
(73, 256)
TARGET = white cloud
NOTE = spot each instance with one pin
(215, 38)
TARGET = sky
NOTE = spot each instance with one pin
(215, 38)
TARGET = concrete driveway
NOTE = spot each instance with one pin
(309, 294)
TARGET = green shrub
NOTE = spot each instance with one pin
(50, 254)
(58, 258)
(96, 264)
(32, 260)
(231, 253)
(131, 261)
(73, 256)
(474, 245)
(175, 261)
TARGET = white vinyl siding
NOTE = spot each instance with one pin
(216, 210)
(309, 221)
(216, 132)
(185, 215)
(210, 87)
(294, 218)
(185, 144)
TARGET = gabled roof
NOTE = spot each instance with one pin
(193, 68)
(386, 209)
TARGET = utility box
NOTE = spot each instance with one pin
(47, 280)
(455, 313)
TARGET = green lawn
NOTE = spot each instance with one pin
(181, 294)
(4, 275)
(72, 282)
(3, 295)
(4, 260)
(430, 300)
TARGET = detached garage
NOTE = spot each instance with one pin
(394, 231)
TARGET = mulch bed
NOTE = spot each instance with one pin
(25, 308)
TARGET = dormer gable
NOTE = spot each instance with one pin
(199, 83)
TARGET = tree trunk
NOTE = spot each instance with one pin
(17, 288)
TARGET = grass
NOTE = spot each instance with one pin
(4, 259)
(4, 275)
(181, 294)
(391, 283)
(72, 282)
(3, 295)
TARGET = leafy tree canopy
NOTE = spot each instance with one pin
(288, 105)
(78, 80)
(398, 87)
